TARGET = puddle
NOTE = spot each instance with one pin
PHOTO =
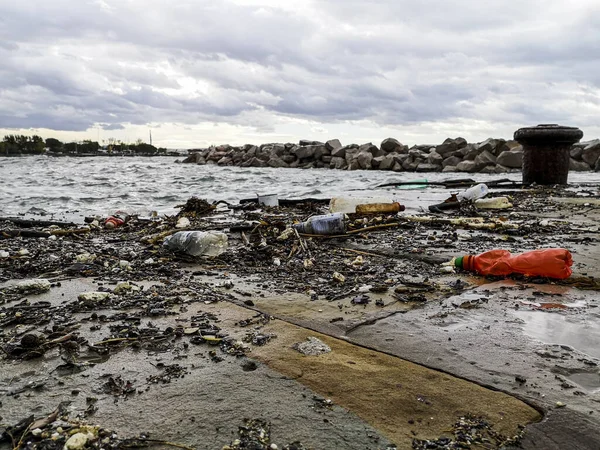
(580, 333)
(588, 381)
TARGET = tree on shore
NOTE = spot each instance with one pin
(54, 145)
(13, 144)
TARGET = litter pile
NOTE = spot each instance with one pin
(155, 279)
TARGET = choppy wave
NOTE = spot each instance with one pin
(99, 185)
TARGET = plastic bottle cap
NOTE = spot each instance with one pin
(458, 262)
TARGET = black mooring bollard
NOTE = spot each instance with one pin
(546, 152)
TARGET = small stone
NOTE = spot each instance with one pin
(338, 277)
(560, 405)
(36, 431)
(35, 286)
(520, 379)
(77, 441)
(123, 264)
(4, 254)
(85, 258)
(92, 296)
(123, 286)
(359, 261)
(23, 252)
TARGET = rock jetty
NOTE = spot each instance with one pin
(453, 155)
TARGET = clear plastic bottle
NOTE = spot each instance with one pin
(473, 193)
(325, 224)
(197, 243)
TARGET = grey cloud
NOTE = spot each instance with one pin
(79, 63)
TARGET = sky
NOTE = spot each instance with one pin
(199, 73)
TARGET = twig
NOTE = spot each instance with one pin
(110, 341)
(376, 227)
(170, 444)
(363, 253)
(23, 437)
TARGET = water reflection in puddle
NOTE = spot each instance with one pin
(573, 330)
(589, 381)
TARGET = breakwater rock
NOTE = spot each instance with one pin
(453, 155)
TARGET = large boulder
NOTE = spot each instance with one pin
(254, 162)
(305, 142)
(397, 167)
(225, 161)
(451, 145)
(339, 152)
(384, 162)
(320, 151)
(511, 158)
(435, 158)
(337, 162)
(410, 164)
(305, 151)
(391, 145)
(364, 159)
(471, 152)
(251, 150)
(193, 158)
(288, 159)
(578, 166)
(277, 162)
(354, 164)
(485, 158)
(576, 152)
(351, 153)
(400, 157)
(451, 161)
(491, 145)
(373, 149)
(591, 153)
(278, 149)
(333, 144)
(447, 147)
(467, 166)
(425, 167)
(449, 169)
(510, 145)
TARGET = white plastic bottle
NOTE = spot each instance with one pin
(473, 193)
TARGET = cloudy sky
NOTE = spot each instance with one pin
(202, 72)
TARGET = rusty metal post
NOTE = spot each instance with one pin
(546, 152)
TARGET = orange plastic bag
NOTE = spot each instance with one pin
(551, 263)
